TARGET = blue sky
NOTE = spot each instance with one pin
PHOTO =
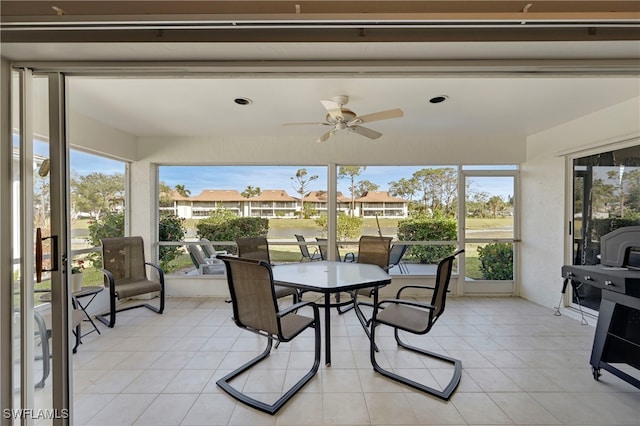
(198, 178)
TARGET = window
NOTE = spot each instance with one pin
(98, 209)
(290, 199)
(606, 196)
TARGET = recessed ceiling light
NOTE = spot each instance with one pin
(438, 99)
(242, 101)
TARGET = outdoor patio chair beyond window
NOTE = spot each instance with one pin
(322, 246)
(255, 309)
(417, 318)
(207, 248)
(304, 250)
(395, 257)
(200, 262)
(125, 275)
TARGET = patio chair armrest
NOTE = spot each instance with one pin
(159, 270)
(421, 287)
(407, 303)
(295, 307)
(350, 257)
(110, 278)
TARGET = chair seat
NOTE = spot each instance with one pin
(293, 324)
(282, 291)
(404, 317)
(136, 288)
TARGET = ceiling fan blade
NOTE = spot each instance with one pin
(334, 109)
(306, 124)
(371, 134)
(326, 135)
(382, 115)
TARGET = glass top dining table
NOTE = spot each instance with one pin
(329, 277)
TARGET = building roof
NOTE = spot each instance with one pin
(219, 195)
(321, 197)
(379, 197)
(176, 196)
(273, 195)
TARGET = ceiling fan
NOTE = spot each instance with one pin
(341, 118)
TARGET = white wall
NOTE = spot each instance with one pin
(544, 192)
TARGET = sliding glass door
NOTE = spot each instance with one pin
(40, 343)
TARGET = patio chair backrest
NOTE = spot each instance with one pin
(443, 278)
(303, 248)
(196, 254)
(256, 248)
(374, 250)
(396, 254)
(207, 247)
(124, 258)
(252, 294)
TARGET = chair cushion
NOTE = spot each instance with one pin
(404, 317)
(136, 288)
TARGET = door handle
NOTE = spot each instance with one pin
(39, 255)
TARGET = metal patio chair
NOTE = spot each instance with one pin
(417, 317)
(255, 309)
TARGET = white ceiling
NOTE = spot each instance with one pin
(501, 88)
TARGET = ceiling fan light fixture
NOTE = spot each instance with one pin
(243, 101)
(438, 99)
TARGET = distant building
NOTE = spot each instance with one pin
(273, 203)
(381, 204)
(318, 200)
(276, 203)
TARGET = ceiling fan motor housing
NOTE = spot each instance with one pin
(347, 117)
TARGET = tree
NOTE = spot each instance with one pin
(365, 186)
(404, 188)
(351, 172)
(439, 188)
(97, 192)
(165, 196)
(251, 191)
(495, 204)
(300, 184)
(180, 189)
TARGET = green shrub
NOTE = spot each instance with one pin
(111, 224)
(604, 226)
(225, 226)
(348, 228)
(496, 261)
(426, 228)
(170, 228)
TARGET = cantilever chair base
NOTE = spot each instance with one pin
(109, 319)
(442, 394)
(259, 405)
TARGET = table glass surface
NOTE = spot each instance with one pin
(330, 276)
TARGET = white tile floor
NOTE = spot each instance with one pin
(521, 366)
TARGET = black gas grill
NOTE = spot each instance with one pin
(616, 345)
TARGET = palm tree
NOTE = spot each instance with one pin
(180, 189)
